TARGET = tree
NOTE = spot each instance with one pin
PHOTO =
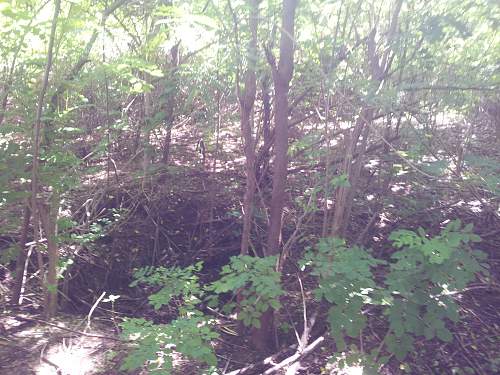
(45, 208)
(378, 119)
(246, 98)
(282, 75)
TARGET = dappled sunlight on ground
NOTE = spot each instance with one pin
(74, 357)
(33, 346)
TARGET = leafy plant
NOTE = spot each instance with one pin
(483, 172)
(425, 270)
(256, 280)
(345, 280)
(190, 335)
(256, 283)
(175, 282)
(154, 344)
(415, 293)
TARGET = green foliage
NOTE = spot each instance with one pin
(340, 180)
(432, 55)
(415, 293)
(254, 278)
(345, 280)
(356, 358)
(175, 282)
(483, 172)
(13, 160)
(189, 335)
(425, 270)
(154, 344)
(257, 284)
(96, 230)
(9, 254)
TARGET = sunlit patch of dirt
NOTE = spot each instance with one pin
(68, 347)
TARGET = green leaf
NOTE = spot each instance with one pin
(444, 334)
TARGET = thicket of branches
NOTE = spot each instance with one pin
(299, 135)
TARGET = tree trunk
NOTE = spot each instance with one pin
(282, 75)
(21, 257)
(263, 338)
(50, 285)
(247, 100)
(263, 156)
(167, 142)
(169, 105)
(48, 211)
(379, 66)
(344, 194)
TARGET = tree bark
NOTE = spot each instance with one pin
(247, 100)
(21, 257)
(48, 211)
(50, 284)
(344, 194)
(264, 337)
(263, 156)
(379, 66)
(169, 104)
(282, 75)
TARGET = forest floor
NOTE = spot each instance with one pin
(186, 214)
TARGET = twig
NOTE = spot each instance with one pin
(287, 361)
(70, 330)
(227, 364)
(298, 354)
(89, 317)
(466, 357)
(305, 332)
(49, 362)
(473, 287)
(265, 361)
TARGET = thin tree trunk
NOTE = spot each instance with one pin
(147, 148)
(247, 100)
(264, 338)
(344, 194)
(50, 284)
(379, 66)
(48, 211)
(213, 185)
(327, 183)
(282, 75)
(21, 257)
(169, 104)
(263, 156)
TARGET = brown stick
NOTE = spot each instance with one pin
(299, 354)
(69, 329)
(287, 361)
(21, 257)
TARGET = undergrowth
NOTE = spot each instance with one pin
(414, 294)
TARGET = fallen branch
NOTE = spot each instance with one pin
(294, 358)
(69, 329)
(277, 366)
(266, 361)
